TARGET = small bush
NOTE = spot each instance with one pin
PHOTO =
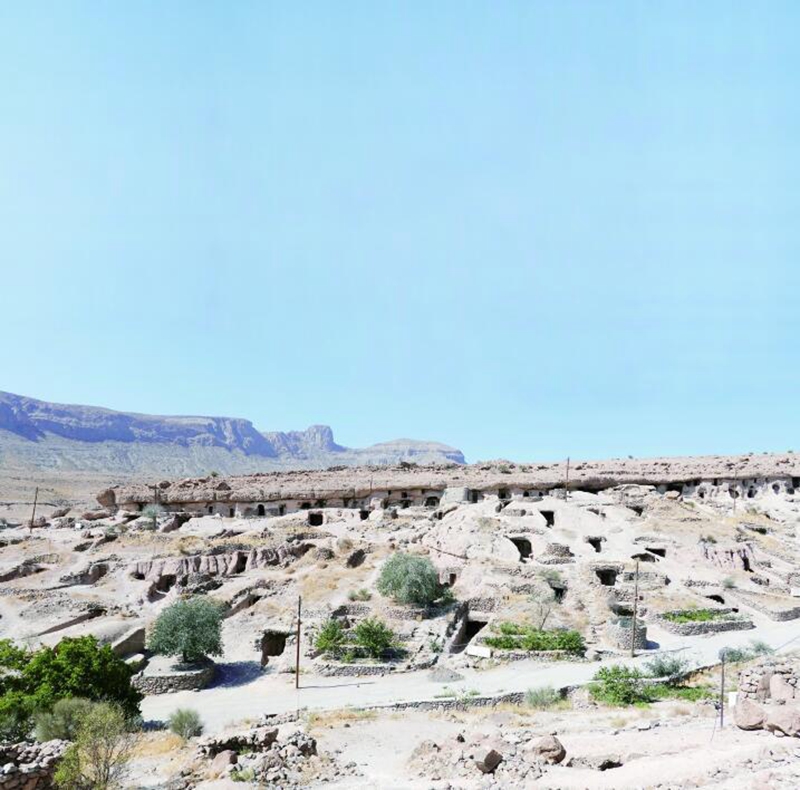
(728, 583)
(666, 666)
(542, 698)
(64, 720)
(736, 654)
(359, 595)
(186, 723)
(331, 638)
(374, 637)
(619, 685)
(410, 580)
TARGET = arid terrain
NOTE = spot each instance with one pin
(701, 552)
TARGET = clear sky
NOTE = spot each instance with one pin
(527, 229)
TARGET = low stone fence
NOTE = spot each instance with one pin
(190, 679)
(371, 670)
(698, 628)
(778, 609)
(29, 765)
(543, 656)
(769, 679)
(620, 634)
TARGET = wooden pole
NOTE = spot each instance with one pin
(33, 514)
(635, 610)
(722, 693)
(566, 482)
(297, 652)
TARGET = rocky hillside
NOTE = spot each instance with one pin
(38, 434)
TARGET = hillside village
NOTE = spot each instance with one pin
(542, 578)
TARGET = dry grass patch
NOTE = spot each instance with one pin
(157, 744)
(328, 720)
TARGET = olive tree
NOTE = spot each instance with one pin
(410, 579)
(191, 629)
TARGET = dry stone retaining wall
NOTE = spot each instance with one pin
(29, 765)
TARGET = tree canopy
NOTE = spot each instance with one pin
(191, 629)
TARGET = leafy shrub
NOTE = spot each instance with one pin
(514, 636)
(98, 758)
(191, 629)
(64, 720)
(154, 513)
(694, 616)
(359, 595)
(542, 697)
(686, 693)
(666, 666)
(186, 723)
(619, 685)
(331, 638)
(728, 583)
(736, 654)
(75, 667)
(374, 637)
(410, 580)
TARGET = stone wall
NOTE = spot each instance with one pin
(29, 765)
(707, 627)
(620, 634)
(165, 683)
(758, 681)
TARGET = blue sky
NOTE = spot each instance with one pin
(527, 229)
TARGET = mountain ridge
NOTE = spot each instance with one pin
(35, 433)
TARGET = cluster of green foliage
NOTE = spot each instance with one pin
(694, 616)
(371, 638)
(191, 629)
(623, 686)
(33, 682)
(359, 595)
(542, 698)
(666, 666)
(186, 723)
(102, 746)
(754, 650)
(64, 720)
(412, 580)
(513, 636)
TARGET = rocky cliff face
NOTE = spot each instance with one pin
(35, 433)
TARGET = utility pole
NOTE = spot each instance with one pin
(33, 514)
(566, 482)
(722, 692)
(297, 653)
(635, 610)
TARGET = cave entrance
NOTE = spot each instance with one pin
(523, 547)
(432, 501)
(595, 543)
(231, 512)
(261, 511)
(166, 583)
(746, 564)
(658, 552)
(717, 598)
(645, 556)
(638, 509)
(363, 514)
(474, 497)
(273, 643)
(315, 519)
(469, 630)
(452, 579)
(240, 564)
(549, 517)
(607, 576)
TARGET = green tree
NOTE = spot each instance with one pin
(410, 579)
(191, 629)
(186, 723)
(98, 758)
(374, 637)
(331, 638)
(154, 512)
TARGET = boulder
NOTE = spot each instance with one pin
(60, 512)
(96, 515)
(748, 715)
(488, 760)
(107, 498)
(221, 762)
(784, 719)
(548, 749)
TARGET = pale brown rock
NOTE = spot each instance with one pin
(748, 715)
(783, 719)
(548, 749)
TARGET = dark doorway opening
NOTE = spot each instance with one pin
(474, 497)
(658, 552)
(363, 514)
(432, 501)
(231, 512)
(240, 564)
(503, 494)
(558, 593)
(452, 579)
(595, 543)
(638, 509)
(469, 630)
(607, 577)
(305, 506)
(549, 517)
(210, 510)
(717, 598)
(523, 547)
(746, 564)
(260, 511)
(166, 583)
(273, 643)
(677, 487)
(315, 519)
